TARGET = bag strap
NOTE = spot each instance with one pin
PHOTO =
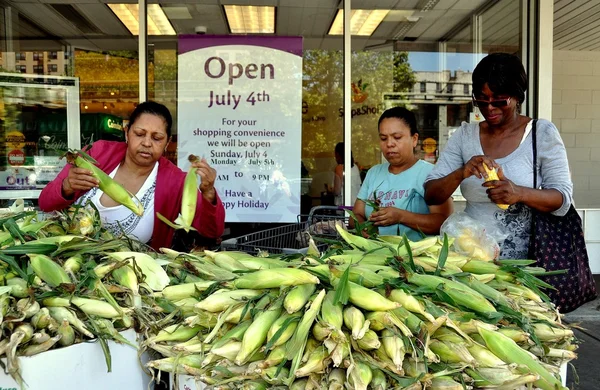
(534, 147)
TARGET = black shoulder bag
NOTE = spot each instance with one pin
(557, 243)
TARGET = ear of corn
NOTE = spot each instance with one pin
(354, 320)
(95, 307)
(154, 275)
(368, 299)
(507, 350)
(275, 278)
(62, 313)
(107, 185)
(223, 299)
(298, 297)
(257, 333)
(49, 271)
(493, 176)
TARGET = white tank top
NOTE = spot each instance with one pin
(119, 219)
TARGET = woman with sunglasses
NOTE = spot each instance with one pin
(503, 141)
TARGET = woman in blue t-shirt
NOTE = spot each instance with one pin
(397, 185)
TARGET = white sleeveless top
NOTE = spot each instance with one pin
(119, 219)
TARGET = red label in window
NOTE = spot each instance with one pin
(16, 158)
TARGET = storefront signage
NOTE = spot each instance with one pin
(240, 107)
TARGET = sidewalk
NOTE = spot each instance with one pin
(587, 364)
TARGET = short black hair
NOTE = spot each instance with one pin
(339, 149)
(154, 108)
(403, 114)
(504, 74)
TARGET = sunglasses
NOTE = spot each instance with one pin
(495, 103)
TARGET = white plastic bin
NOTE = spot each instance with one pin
(82, 366)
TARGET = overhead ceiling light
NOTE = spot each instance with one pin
(362, 21)
(250, 19)
(158, 23)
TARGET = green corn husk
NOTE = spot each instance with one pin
(62, 313)
(485, 357)
(67, 334)
(445, 383)
(236, 334)
(95, 307)
(28, 307)
(368, 299)
(290, 327)
(315, 363)
(300, 384)
(459, 292)
(18, 287)
(393, 347)
(486, 267)
(369, 341)
(228, 260)
(40, 337)
(154, 276)
(360, 375)
(298, 343)
(485, 290)
(298, 297)
(414, 368)
(73, 264)
(186, 290)
(507, 350)
(546, 332)
(47, 270)
(380, 320)
(361, 243)
(256, 334)
(452, 352)
(258, 263)
(331, 313)
(221, 300)
(275, 278)
(336, 379)
(354, 319)
(175, 332)
(320, 332)
(488, 376)
(41, 319)
(108, 185)
(275, 357)
(516, 334)
(410, 303)
(34, 349)
(379, 381)
(229, 350)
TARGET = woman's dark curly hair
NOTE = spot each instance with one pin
(504, 74)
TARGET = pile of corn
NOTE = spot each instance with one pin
(369, 314)
(64, 280)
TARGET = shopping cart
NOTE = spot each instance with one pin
(293, 238)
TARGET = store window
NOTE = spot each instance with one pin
(90, 88)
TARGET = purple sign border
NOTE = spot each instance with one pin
(192, 42)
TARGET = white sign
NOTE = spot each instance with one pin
(240, 107)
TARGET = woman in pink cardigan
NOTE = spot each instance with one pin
(139, 165)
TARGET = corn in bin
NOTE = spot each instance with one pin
(367, 314)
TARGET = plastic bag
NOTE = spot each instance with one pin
(473, 238)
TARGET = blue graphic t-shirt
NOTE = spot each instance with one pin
(403, 190)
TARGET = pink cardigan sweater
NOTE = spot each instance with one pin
(209, 219)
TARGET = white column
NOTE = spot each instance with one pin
(143, 49)
(544, 58)
(347, 103)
